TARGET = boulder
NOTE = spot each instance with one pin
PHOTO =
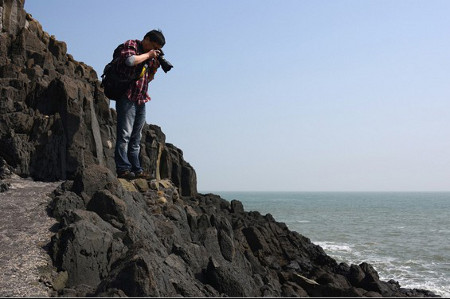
(86, 248)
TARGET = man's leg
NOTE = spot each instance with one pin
(125, 118)
(134, 145)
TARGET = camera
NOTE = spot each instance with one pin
(165, 65)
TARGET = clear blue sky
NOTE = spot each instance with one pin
(308, 95)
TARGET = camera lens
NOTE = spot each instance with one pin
(165, 65)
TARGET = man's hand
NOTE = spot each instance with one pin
(153, 54)
(146, 56)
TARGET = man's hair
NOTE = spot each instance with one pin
(156, 36)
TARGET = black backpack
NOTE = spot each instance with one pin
(115, 84)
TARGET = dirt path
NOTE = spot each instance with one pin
(24, 231)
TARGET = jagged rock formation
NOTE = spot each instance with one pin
(121, 239)
(141, 238)
(55, 118)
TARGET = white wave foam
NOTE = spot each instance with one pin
(413, 281)
(413, 274)
(409, 273)
(334, 247)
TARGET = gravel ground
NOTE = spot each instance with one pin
(25, 230)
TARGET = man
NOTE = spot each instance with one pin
(137, 59)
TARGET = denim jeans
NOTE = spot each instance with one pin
(130, 121)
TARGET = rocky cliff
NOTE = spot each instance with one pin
(141, 238)
(55, 118)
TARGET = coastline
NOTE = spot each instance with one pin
(141, 238)
(214, 247)
(389, 250)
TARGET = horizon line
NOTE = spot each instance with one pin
(323, 191)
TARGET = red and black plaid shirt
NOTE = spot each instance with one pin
(138, 88)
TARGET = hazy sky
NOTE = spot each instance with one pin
(287, 95)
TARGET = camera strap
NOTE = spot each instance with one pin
(144, 71)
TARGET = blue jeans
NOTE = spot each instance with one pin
(130, 121)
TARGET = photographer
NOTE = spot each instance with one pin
(136, 58)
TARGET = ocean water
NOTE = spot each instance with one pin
(405, 236)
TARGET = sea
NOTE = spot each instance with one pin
(404, 235)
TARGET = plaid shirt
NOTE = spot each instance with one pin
(138, 88)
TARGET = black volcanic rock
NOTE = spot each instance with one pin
(3, 186)
(124, 242)
(141, 238)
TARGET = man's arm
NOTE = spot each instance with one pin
(137, 59)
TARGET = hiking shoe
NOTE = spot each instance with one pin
(128, 175)
(143, 175)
